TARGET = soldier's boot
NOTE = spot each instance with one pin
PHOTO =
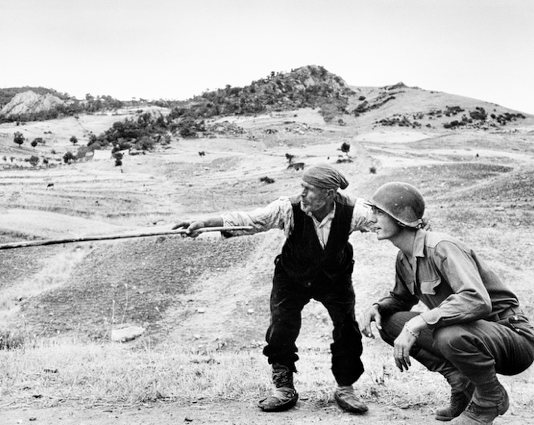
(461, 388)
(284, 394)
(489, 401)
(461, 393)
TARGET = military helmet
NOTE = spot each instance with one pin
(402, 201)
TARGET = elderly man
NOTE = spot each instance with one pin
(315, 263)
(474, 327)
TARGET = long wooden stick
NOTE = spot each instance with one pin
(136, 234)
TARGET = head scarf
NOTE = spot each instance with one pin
(325, 176)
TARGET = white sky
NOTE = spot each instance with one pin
(175, 49)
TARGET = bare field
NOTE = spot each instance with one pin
(211, 295)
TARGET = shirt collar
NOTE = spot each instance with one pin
(419, 243)
(418, 248)
(329, 217)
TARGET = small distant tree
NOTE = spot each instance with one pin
(34, 160)
(18, 138)
(73, 140)
(118, 159)
(34, 143)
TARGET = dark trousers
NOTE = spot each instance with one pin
(289, 297)
(477, 349)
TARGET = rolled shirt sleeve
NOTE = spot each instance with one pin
(361, 216)
(277, 215)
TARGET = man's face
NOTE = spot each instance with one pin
(386, 227)
(312, 198)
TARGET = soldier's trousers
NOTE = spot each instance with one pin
(477, 350)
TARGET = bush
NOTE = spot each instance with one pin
(34, 160)
(68, 157)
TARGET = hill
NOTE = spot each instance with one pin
(30, 102)
(7, 94)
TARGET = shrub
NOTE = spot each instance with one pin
(34, 160)
(68, 157)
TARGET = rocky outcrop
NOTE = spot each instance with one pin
(30, 102)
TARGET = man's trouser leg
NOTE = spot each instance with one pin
(346, 348)
(287, 301)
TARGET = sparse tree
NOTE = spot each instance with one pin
(74, 140)
(118, 159)
(18, 138)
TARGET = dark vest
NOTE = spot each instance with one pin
(303, 258)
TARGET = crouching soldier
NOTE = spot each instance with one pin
(474, 327)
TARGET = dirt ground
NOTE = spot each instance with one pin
(232, 412)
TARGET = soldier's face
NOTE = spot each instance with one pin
(385, 226)
(312, 198)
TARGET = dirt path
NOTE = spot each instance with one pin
(236, 413)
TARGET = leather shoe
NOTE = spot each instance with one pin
(348, 401)
(282, 399)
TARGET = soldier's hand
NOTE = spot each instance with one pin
(401, 349)
(370, 315)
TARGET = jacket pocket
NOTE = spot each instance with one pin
(520, 324)
(428, 287)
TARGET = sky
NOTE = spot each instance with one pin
(176, 49)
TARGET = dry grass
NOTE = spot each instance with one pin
(68, 372)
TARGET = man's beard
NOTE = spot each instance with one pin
(310, 208)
